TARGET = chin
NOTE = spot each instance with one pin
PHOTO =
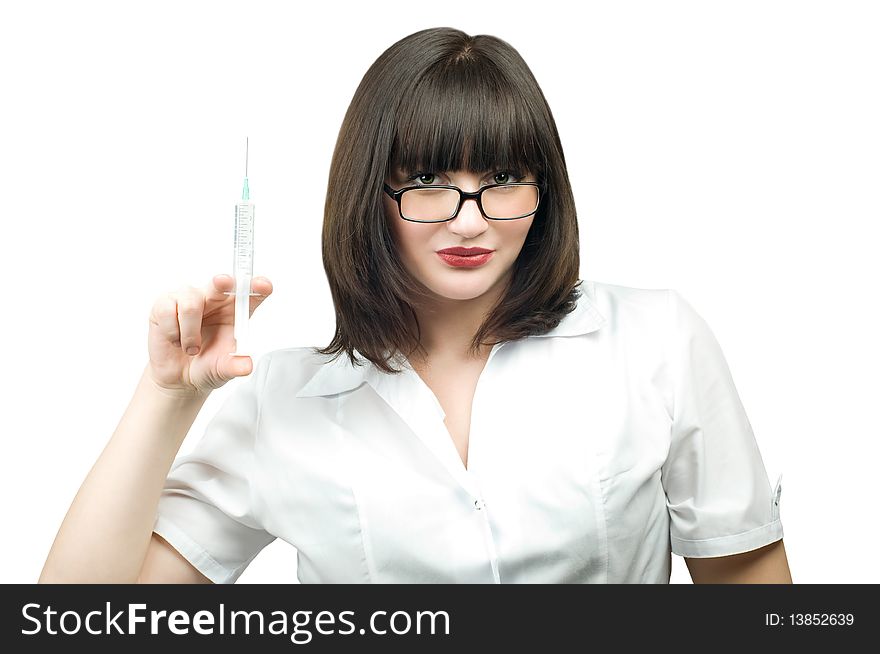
(457, 286)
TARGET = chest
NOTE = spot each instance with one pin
(454, 388)
(562, 481)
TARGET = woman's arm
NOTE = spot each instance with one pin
(108, 529)
(765, 565)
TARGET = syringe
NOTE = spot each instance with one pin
(243, 264)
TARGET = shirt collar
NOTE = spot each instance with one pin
(341, 375)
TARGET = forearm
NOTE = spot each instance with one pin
(765, 565)
(106, 532)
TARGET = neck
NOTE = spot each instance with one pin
(448, 326)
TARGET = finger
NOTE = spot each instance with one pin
(223, 286)
(190, 308)
(163, 316)
(218, 287)
(264, 288)
(236, 366)
(259, 286)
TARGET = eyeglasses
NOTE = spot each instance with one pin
(437, 204)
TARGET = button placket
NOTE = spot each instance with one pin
(480, 505)
(479, 502)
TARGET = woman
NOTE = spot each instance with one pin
(479, 417)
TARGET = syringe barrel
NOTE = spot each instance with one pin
(243, 257)
(243, 270)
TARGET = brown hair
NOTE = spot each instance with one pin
(442, 100)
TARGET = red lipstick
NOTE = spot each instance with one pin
(460, 257)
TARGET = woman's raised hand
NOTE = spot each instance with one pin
(191, 336)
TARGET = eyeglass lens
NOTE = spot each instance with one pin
(434, 204)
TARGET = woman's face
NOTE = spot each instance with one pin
(419, 243)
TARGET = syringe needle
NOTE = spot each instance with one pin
(245, 193)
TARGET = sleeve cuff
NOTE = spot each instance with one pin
(727, 545)
(193, 552)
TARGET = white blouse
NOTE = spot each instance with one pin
(594, 451)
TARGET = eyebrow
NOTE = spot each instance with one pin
(403, 174)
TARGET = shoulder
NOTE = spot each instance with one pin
(630, 307)
(292, 367)
(294, 356)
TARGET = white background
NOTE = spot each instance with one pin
(727, 150)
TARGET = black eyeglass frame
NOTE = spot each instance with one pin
(462, 196)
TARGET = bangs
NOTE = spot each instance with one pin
(468, 117)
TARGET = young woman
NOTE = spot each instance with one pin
(480, 415)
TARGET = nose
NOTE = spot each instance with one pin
(469, 222)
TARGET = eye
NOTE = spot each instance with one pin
(507, 177)
(420, 175)
(501, 177)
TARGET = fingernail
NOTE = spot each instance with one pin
(192, 350)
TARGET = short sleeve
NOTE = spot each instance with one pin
(718, 494)
(206, 509)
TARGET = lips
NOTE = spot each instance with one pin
(466, 261)
(464, 252)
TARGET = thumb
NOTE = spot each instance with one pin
(238, 366)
